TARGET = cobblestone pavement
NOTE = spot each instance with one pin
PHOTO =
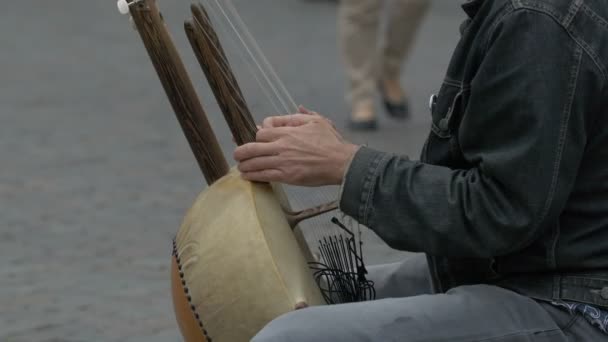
(95, 174)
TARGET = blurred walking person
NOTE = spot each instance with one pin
(372, 66)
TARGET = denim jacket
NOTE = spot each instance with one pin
(512, 186)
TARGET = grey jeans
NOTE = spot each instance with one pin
(406, 312)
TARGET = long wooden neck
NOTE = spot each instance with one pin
(223, 83)
(212, 58)
(179, 89)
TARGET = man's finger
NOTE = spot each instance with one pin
(264, 176)
(259, 164)
(304, 110)
(271, 134)
(254, 150)
(292, 120)
(269, 122)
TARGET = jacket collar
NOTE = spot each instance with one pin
(471, 7)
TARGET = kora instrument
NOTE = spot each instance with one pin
(237, 261)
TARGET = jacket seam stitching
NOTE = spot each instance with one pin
(439, 132)
(586, 277)
(585, 286)
(557, 288)
(550, 13)
(371, 182)
(516, 3)
(574, 80)
(540, 8)
(589, 52)
(374, 178)
(507, 9)
(454, 83)
(588, 10)
(594, 57)
(553, 252)
(367, 188)
(562, 137)
(572, 12)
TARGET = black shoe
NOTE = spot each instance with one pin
(363, 125)
(399, 110)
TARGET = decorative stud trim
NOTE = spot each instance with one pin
(197, 317)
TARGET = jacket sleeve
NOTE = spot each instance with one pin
(522, 130)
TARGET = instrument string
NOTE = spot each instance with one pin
(242, 58)
(233, 19)
(340, 263)
(261, 55)
(245, 43)
(261, 65)
(224, 63)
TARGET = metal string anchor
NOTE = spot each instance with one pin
(123, 7)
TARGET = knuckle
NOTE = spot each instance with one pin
(238, 154)
(245, 167)
(259, 135)
(267, 175)
(280, 149)
(268, 122)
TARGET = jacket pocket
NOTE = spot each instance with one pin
(446, 108)
(442, 146)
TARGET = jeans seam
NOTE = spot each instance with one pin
(523, 332)
(570, 323)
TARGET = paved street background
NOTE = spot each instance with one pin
(95, 174)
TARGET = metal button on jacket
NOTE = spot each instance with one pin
(432, 102)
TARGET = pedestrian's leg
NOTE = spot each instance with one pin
(405, 16)
(358, 23)
(465, 314)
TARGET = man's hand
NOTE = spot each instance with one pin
(300, 149)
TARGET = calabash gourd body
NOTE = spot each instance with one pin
(237, 264)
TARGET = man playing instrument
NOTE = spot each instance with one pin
(509, 202)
